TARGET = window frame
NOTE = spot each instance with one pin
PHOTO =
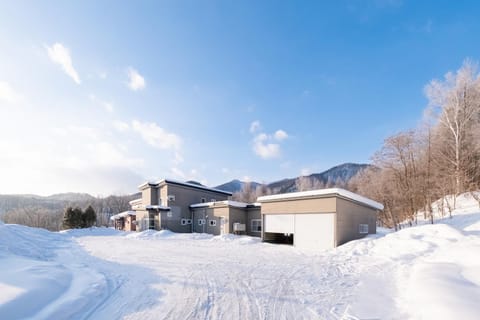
(212, 223)
(257, 221)
(363, 228)
(201, 222)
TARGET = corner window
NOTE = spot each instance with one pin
(363, 228)
(256, 225)
(212, 223)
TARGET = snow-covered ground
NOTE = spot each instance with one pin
(424, 272)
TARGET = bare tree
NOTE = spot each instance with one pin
(455, 102)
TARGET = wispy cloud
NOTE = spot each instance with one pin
(254, 126)
(156, 136)
(108, 106)
(135, 80)
(60, 55)
(121, 126)
(8, 94)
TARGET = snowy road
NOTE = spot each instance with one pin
(425, 272)
(228, 278)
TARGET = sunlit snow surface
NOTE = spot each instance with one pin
(423, 272)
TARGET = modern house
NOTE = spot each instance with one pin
(166, 204)
(317, 219)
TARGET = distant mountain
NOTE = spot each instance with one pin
(71, 197)
(335, 176)
(236, 185)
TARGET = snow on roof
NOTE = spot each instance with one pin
(323, 192)
(123, 215)
(227, 202)
(150, 207)
(159, 207)
(197, 186)
(135, 201)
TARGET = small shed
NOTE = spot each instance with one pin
(124, 221)
(317, 219)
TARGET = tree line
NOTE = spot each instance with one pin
(50, 215)
(440, 157)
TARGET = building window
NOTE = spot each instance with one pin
(201, 222)
(183, 222)
(363, 228)
(203, 200)
(256, 225)
(212, 223)
(171, 197)
(212, 200)
(188, 221)
(169, 214)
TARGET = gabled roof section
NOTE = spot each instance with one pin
(123, 215)
(323, 192)
(226, 202)
(135, 201)
(184, 184)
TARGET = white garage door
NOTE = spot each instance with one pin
(279, 223)
(314, 231)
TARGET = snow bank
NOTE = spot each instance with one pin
(236, 239)
(93, 231)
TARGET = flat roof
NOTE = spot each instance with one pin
(185, 184)
(323, 192)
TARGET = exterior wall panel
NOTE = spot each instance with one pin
(349, 216)
(300, 206)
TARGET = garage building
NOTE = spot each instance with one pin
(317, 219)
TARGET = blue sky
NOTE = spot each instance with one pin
(98, 96)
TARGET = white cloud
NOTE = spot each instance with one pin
(254, 126)
(263, 144)
(156, 136)
(263, 148)
(7, 93)
(135, 80)
(280, 135)
(61, 55)
(121, 126)
(225, 170)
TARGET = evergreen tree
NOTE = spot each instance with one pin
(72, 218)
(89, 217)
